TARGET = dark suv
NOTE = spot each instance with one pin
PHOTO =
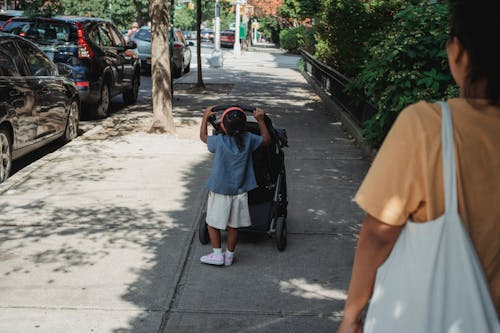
(103, 64)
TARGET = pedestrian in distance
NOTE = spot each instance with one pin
(432, 150)
(231, 177)
(131, 32)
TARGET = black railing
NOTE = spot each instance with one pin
(333, 83)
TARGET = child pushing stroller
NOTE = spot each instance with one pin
(231, 178)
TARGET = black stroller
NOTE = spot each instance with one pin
(268, 202)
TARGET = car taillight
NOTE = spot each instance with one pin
(82, 84)
(84, 50)
(177, 45)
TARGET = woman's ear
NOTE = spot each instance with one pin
(458, 60)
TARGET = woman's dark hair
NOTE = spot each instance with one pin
(233, 123)
(476, 24)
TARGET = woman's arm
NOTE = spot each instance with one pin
(204, 123)
(375, 243)
(259, 116)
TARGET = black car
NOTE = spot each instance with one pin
(103, 63)
(38, 103)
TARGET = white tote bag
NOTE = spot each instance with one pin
(432, 281)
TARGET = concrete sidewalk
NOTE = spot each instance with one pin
(100, 236)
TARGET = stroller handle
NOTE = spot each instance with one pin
(223, 107)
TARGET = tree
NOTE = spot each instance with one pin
(185, 19)
(163, 120)
(44, 7)
(199, 14)
(266, 7)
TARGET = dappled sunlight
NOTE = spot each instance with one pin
(302, 288)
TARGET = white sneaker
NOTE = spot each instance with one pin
(228, 260)
(213, 259)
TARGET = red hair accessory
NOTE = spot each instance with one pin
(233, 108)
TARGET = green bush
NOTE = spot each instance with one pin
(294, 39)
(344, 26)
(406, 63)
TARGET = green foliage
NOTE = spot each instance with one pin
(297, 38)
(344, 26)
(85, 8)
(269, 28)
(293, 39)
(185, 19)
(41, 7)
(406, 62)
(299, 10)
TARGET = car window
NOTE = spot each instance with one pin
(37, 61)
(12, 51)
(143, 34)
(105, 35)
(7, 65)
(53, 32)
(94, 35)
(116, 36)
(16, 27)
(41, 32)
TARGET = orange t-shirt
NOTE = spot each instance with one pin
(406, 177)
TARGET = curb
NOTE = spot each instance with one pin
(25, 172)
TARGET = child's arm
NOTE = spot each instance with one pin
(204, 123)
(259, 116)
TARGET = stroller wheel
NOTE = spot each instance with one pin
(281, 233)
(203, 229)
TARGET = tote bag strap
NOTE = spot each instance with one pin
(449, 169)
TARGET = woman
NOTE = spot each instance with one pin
(405, 180)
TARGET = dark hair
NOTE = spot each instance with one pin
(476, 24)
(234, 122)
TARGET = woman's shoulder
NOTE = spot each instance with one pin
(423, 115)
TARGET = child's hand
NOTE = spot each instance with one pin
(208, 112)
(258, 114)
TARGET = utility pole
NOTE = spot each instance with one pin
(216, 60)
(237, 45)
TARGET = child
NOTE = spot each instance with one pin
(231, 178)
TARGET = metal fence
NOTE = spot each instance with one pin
(333, 84)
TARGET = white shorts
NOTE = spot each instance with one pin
(228, 210)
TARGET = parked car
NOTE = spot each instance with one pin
(103, 63)
(5, 15)
(227, 38)
(181, 58)
(207, 35)
(38, 102)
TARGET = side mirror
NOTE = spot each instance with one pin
(64, 69)
(131, 45)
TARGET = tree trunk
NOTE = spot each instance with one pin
(200, 83)
(163, 120)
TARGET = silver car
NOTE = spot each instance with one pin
(181, 60)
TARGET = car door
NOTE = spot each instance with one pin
(17, 99)
(113, 57)
(50, 94)
(127, 56)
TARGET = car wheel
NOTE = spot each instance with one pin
(5, 154)
(73, 122)
(130, 96)
(102, 108)
(188, 68)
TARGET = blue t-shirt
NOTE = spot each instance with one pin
(232, 171)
